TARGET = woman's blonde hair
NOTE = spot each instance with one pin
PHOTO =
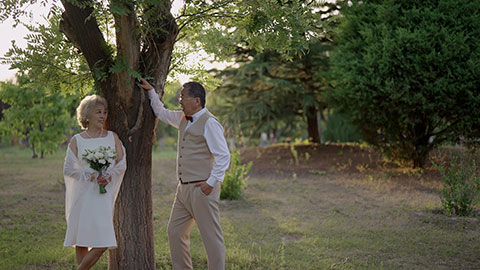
(86, 106)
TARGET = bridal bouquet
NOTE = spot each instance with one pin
(99, 160)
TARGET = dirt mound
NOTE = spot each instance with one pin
(353, 163)
(313, 158)
(333, 159)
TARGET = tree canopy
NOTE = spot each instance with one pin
(51, 80)
(223, 28)
(266, 93)
(279, 55)
(40, 118)
(408, 74)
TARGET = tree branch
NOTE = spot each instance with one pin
(128, 47)
(82, 30)
(139, 121)
(158, 47)
(200, 14)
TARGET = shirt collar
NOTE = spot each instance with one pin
(196, 115)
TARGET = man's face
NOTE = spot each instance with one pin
(190, 105)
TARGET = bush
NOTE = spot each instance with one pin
(461, 188)
(339, 129)
(396, 72)
(235, 177)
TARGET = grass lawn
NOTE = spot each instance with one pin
(330, 217)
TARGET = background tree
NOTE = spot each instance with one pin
(280, 53)
(51, 63)
(35, 116)
(51, 59)
(269, 93)
(338, 128)
(3, 106)
(407, 73)
(225, 27)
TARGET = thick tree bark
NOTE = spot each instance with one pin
(319, 125)
(133, 209)
(82, 30)
(308, 83)
(130, 116)
(420, 151)
(312, 126)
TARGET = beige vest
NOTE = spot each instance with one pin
(194, 159)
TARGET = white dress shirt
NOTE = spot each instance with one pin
(213, 135)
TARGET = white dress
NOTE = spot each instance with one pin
(89, 213)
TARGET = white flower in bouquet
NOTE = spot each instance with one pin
(99, 155)
(99, 160)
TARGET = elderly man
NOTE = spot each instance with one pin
(202, 159)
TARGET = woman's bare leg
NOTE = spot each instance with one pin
(80, 252)
(91, 258)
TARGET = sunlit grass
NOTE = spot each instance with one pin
(318, 221)
(161, 155)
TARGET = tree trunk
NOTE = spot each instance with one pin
(420, 153)
(418, 163)
(34, 154)
(311, 113)
(130, 115)
(133, 209)
(312, 126)
(319, 123)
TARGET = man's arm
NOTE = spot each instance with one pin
(168, 116)
(218, 147)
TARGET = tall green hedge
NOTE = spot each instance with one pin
(408, 73)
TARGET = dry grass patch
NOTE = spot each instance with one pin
(343, 208)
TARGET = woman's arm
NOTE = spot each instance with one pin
(73, 146)
(118, 148)
(117, 169)
(71, 169)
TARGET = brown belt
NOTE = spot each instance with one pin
(191, 182)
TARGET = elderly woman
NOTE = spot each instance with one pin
(89, 209)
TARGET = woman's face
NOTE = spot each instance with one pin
(97, 117)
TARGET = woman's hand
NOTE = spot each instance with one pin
(93, 176)
(104, 179)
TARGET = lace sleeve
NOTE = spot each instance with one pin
(73, 169)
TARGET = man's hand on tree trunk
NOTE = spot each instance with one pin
(145, 85)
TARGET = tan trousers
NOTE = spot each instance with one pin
(192, 205)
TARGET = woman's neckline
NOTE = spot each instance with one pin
(90, 138)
